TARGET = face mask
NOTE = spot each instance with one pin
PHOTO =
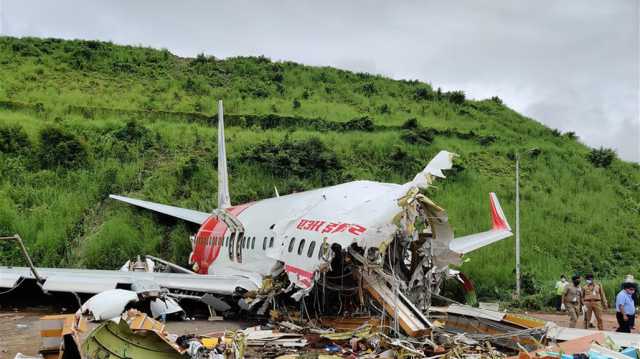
(589, 281)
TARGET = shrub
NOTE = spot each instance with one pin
(359, 124)
(296, 103)
(304, 159)
(497, 100)
(571, 135)
(487, 140)
(418, 136)
(410, 124)
(601, 157)
(423, 93)
(369, 89)
(13, 139)
(59, 148)
(132, 132)
(385, 109)
(456, 97)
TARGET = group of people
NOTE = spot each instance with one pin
(591, 300)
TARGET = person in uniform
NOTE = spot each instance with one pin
(594, 301)
(572, 299)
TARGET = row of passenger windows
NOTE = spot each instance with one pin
(250, 243)
(247, 242)
(310, 249)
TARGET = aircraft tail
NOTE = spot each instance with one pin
(224, 200)
(500, 229)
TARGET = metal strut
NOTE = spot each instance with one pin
(17, 238)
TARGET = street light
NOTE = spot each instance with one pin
(532, 150)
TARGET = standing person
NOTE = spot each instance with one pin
(559, 291)
(629, 279)
(572, 299)
(594, 300)
(625, 310)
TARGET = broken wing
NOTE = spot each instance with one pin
(95, 281)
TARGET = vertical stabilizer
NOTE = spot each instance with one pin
(224, 200)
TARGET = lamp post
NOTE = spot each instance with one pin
(517, 225)
(534, 151)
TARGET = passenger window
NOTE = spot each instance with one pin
(271, 242)
(301, 246)
(291, 244)
(253, 243)
(264, 244)
(312, 246)
(239, 245)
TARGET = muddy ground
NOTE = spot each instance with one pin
(20, 332)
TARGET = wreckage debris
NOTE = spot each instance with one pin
(136, 335)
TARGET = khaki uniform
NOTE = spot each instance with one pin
(594, 300)
(572, 299)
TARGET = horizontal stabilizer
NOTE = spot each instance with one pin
(177, 212)
(500, 230)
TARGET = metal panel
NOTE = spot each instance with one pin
(78, 284)
(8, 280)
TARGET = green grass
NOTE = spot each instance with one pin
(576, 217)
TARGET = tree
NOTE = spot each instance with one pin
(601, 157)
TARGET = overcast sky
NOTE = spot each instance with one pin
(573, 65)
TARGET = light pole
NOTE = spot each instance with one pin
(517, 225)
(533, 151)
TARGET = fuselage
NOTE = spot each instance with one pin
(291, 230)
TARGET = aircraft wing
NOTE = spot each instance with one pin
(96, 281)
(177, 212)
(500, 230)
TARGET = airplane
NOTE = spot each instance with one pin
(240, 249)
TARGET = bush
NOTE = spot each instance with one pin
(571, 135)
(296, 103)
(418, 136)
(359, 124)
(487, 140)
(601, 157)
(369, 89)
(456, 97)
(497, 100)
(13, 139)
(385, 109)
(59, 148)
(133, 132)
(410, 124)
(304, 159)
(423, 93)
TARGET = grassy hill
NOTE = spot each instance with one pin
(82, 119)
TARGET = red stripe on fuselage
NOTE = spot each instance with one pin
(209, 239)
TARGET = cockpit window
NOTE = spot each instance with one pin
(301, 246)
(292, 244)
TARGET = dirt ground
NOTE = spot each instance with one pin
(562, 319)
(20, 331)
